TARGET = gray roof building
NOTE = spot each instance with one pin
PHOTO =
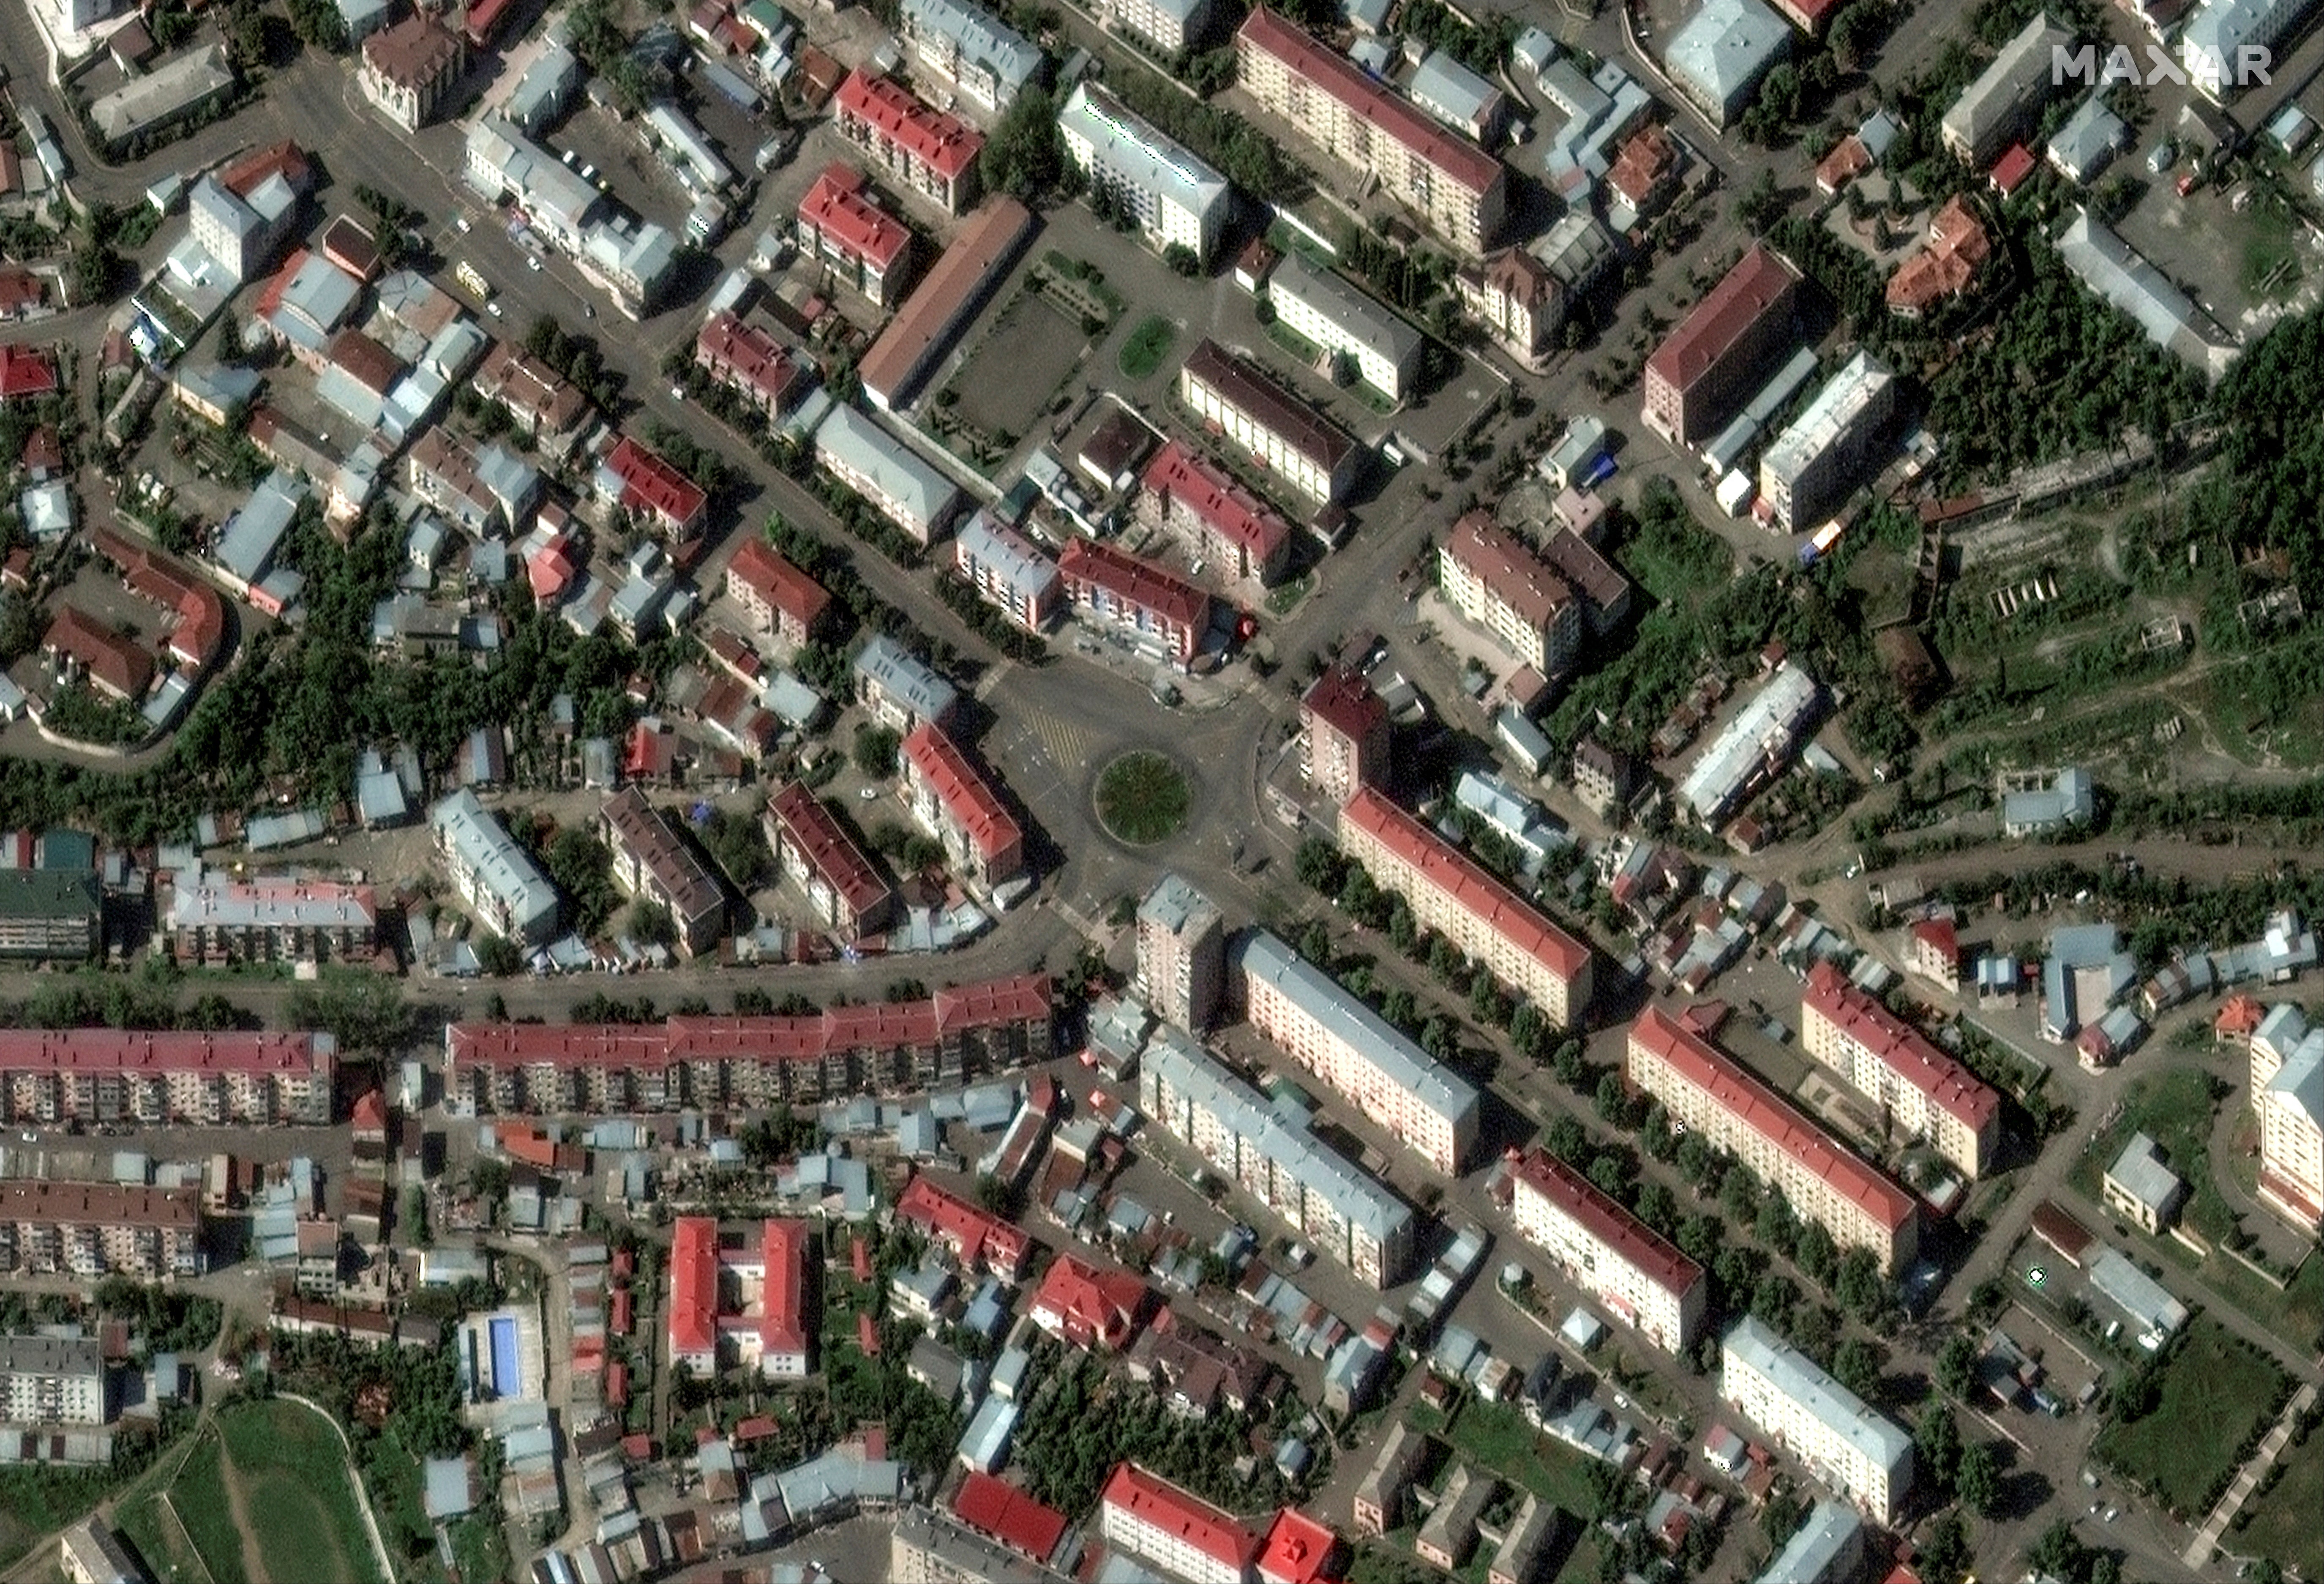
(177, 87)
(1719, 58)
(2001, 103)
(1828, 1547)
(1871, 1437)
(2107, 264)
(543, 91)
(2147, 1302)
(1458, 97)
(496, 875)
(2090, 138)
(878, 466)
(1335, 315)
(906, 686)
(2139, 1183)
(2068, 800)
(1763, 733)
(246, 551)
(987, 57)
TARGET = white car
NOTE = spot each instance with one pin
(462, 222)
(677, 393)
(870, 795)
(532, 262)
(494, 309)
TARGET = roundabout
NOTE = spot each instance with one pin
(1143, 798)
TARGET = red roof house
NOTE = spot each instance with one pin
(1084, 1306)
(999, 1511)
(25, 373)
(778, 597)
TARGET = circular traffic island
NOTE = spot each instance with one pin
(1143, 798)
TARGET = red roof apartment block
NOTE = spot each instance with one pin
(1344, 740)
(640, 483)
(1622, 1243)
(1298, 1550)
(999, 1511)
(1132, 592)
(979, 1241)
(693, 1326)
(934, 151)
(1084, 1306)
(847, 889)
(115, 666)
(750, 362)
(1152, 1518)
(1808, 15)
(779, 598)
(1707, 366)
(1793, 1146)
(838, 221)
(769, 1326)
(1905, 1054)
(982, 837)
(1233, 529)
(285, 159)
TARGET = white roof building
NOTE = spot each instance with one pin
(2212, 47)
(1755, 743)
(1175, 197)
(1718, 57)
(885, 471)
(1814, 463)
(2105, 262)
(1860, 1454)
(990, 60)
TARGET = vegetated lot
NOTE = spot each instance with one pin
(1495, 1439)
(265, 1497)
(2172, 1108)
(1142, 798)
(37, 1499)
(2215, 1393)
(1148, 345)
(1007, 383)
(2280, 1522)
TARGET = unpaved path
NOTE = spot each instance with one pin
(237, 1502)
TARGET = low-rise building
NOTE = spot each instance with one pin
(634, 479)
(956, 802)
(2002, 103)
(1379, 347)
(1947, 267)
(1631, 1270)
(409, 70)
(1313, 455)
(653, 863)
(2043, 803)
(2141, 1188)
(1379, 1501)
(496, 876)
(768, 1326)
(1500, 584)
(900, 689)
(751, 363)
(1176, 200)
(1717, 60)
(908, 350)
(1754, 747)
(548, 409)
(1449, 1533)
(1860, 1454)
(868, 249)
(1520, 302)
(272, 921)
(1828, 1549)
(844, 888)
(1161, 610)
(1459, 98)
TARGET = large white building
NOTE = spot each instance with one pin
(2227, 38)
(1176, 198)
(1813, 464)
(1706, 1091)
(1919, 1089)
(1180, 1533)
(1327, 1201)
(2287, 1087)
(1858, 1453)
(1634, 1272)
(1326, 1030)
(52, 1380)
(1754, 747)
(1384, 350)
(1168, 25)
(497, 877)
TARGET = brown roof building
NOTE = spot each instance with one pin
(1947, 267)
(1235, 398)
(1497, 581)
(655, 864)
(114, 665)
(409, 70)
(1705, 368)
(1343, 740)
(845, 888)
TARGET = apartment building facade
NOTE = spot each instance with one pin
(1344, 735)
(925, 150)
(52, 1380)
(273, 921)
(101, 1077)
(95, 1230)
(1167, 25)
(846, 890)
(1180, 1533)
(1182, 944)
(653, 863)
(1860, 1454)
(1155, 606)
(1175, 199)
(1007, 570)
(1500, 584)
(1632, 1271)
(1709, 366)
(2287, 1088)
(1451, 894)
(1917, 1086)
(1707, 1091)
(781, 600)
(1283, 434)
(409, 71)
(958, 804)
(496, 875)
(50, 914)
(1330, 312)
(1214, 519)
(868, 248)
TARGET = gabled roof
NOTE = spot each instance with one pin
(1183, 1516)
(637, 480)
(1476, 892)
(967, 797)
(759, 566)
(1183, 478)
(1139, 582)
(943, 144)
(841, 214)
(693, 1286)
(1901, 1047)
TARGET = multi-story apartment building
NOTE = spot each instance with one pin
(1517, 300)
(1382, 350)
(960, 807)
(1707, 1091)
(869, 249)
(50, 914)
(96, 1077)
(52, 1380)
(748, 1062)
(1344, 735)
(273, 921)
(1458, 189)
(1379, 1501)
(1500, 584)
(549, 410)
(990, 61)
(409, 70)
(926, 150)
(1318, 1023)
(1328, 1201)
(781, 600)
(1168, 25)
(1811, 468)
(1284, 435)
(2287, 1087)
(1917, 1087)
(911, 493)
(497, 876)
(751, 363)
(653, 863)
(1175, 199)
(487, 490)
(1182, 953)
(900, 689)
(647, 487)
(766, 1327)
(1180, 1533)
(1709, 366)
(93, 1229)
(1007, 570)
(845, 888)
(1452, 894)
(926, 1546)
(1218, 522)
(1633, 1273)
(1858, 1453)
(1153, 604)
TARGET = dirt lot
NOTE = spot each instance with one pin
(1029, 352)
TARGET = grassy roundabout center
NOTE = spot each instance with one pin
(1142, 798)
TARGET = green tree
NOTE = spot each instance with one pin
(1977, 1478)
(1855, 1364)
(1956, 1366)
(1319, 868)
(1937, 1441)
(1946, 1555)
(1567, 1140)
(1025, 157)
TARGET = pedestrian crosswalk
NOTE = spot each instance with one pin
(1068, 746)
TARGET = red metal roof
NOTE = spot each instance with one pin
(1956, 1090)
(138, 1052)
(1086, 1307)
(1155, 1502)
(781, 1319)
(840, 864)
(201, 613)
(1135, 580)
(1387, 113)
(693, 1286)
(943, 144)
(114, 662)
(975, 1237)
(840, 213)
(1605, 1218)
(485, 20)
(285, 159)
(1179, 475)
(996, 1508)
(1759, 285)
(1938, 934)
(747, 353)
(1764, 1111)
(97, 1204)
(2013, 169)
(621, 1314)
(1475, 891)
(1343, 700)
(650, 484)
(1298, 1550)
(26, 371)
(1516, 576)
(962, 791)
(935, 313)
(760, 568)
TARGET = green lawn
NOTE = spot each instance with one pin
(1148, 345)
(2281, 1524)
(298, 1490)
(2214, 1391)
(1496, 1438)
(37, 1499)
(2172, 1108)
(198, 1496)
(1142, 798)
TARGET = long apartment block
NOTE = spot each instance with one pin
(1328, 1201)
(1861, 1454)
(273, 921)
(1919, 1088)
(1335, 1036)
(541, 1069)
(1283, 434)
(924, 149)
(99, 1076)
(1461, 192)
(91, 1229)
(1451, 894)
(1175, 199)
(1633, 1272)
(1706, 1090)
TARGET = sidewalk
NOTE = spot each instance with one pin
(2199, 1549)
